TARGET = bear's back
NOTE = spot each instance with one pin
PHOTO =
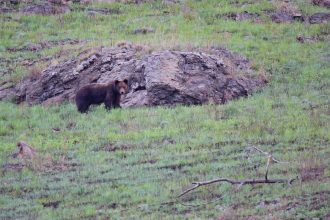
(93, 93)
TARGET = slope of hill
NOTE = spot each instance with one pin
(133, 163)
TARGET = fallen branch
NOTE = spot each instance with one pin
(270, 159)
(239, 182)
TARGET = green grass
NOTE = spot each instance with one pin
(132, 163)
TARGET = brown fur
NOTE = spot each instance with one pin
(96, 94)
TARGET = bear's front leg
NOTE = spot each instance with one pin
(108, 102)
(116, 105)
(116, 102)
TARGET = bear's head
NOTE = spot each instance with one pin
(122, 86)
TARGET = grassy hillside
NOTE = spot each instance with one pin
(132, 163)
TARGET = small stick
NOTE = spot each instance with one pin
(269, 155)
(269, 160)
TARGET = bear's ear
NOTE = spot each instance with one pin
(126, 81)
(116, 82)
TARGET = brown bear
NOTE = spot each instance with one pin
(94, 93)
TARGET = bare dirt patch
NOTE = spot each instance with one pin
(285, 16)
(239, 16)
(52, 204)
(287, 12)
(278, 16)
(104, 11)
(28, 157)
(243, 3)
(4, 9)
(176, 167)
(143, 31)
(311, 39)
(312, 173)
(311, 169)
(319, 18)
(44, 44)
(9, 6)
(6, 89)
(311, 202)
(46, 8)
(152, 161)
(323, 3)
(111, 147)
(12, 167)
(41, 164)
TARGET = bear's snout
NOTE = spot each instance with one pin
(122, 91)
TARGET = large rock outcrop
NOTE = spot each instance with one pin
(160, 78)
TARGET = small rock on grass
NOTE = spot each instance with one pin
(24, 150)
